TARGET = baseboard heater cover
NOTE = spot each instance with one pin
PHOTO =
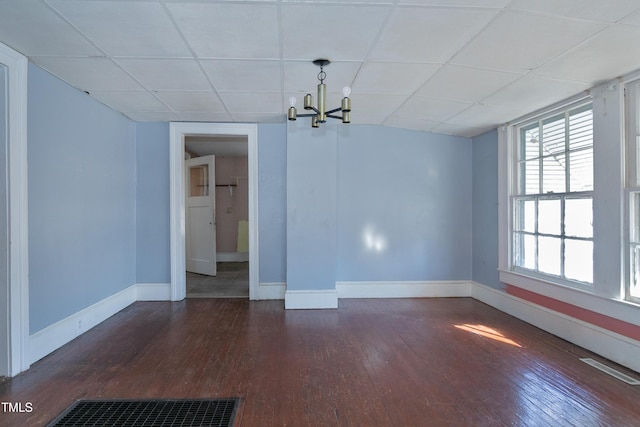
(149, 412)
(609, 370)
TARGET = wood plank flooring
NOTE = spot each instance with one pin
(400, 362)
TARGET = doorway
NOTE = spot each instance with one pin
(217, 215)
(179, 134)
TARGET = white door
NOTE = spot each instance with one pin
(200, 215)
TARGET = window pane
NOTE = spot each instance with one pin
(578, 217)
(581, 170)
(635, 218)
(549, 216)
(198, 181)
(530, 142)
(549, 255)
(553, 174)
(525, 216)
(634, 286)
(578, 260)
(524, 250)
(581, 128)
(553, 135)
(530, 177)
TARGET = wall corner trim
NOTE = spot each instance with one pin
(310, 299)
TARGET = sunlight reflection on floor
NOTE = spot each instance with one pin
(487, 332)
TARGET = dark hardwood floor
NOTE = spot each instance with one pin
(402, 362)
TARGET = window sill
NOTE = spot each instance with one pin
(620, 309)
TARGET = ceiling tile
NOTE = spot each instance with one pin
(598, 10)
(482, 116)
(329, 31)
(223, 30)
(166, 74)
(258, 117)
(34, 29)
(384, 2)
(152, 116)
(465, 131)
(617, 50)
(191, 101)
(431, 109)
(142, 29)
(368, 104)
(410, 123)
(129, 101)
(88, 73)
(518, 42)
(396, 78)
(253, 102)
(450, 3)
(248, 76)
(532, 93)
(465, 84)
(204, 116)
(302, 77)
(428, 35)
(368, 119)
(632, 19)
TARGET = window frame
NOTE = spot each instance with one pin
(517, 191)
(632, 185)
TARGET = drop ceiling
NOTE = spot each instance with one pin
(458, 67)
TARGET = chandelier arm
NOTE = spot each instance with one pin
(335, 110)
(307, 115)
(334, 117)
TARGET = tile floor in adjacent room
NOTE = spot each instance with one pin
(231, 281)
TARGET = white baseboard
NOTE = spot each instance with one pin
(312, 299)
(153, 292)
(275, 290)
(232, 256)
(55, 336)
(403, 289)
(613, 346)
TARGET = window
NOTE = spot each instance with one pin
(552, 205)
(632, 95)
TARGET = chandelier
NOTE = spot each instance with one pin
(321, 114)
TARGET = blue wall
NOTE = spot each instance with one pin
(404, 205)
(312, 179)
(272, 202)
(82, 225)
(152, 203)
(371, 203)
(485, 210)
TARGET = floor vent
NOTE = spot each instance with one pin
(157, 413)
(608, 370)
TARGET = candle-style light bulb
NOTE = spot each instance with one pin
(292, 114)
(346, 103)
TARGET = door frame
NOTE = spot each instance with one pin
(18, 250)
(177, 133)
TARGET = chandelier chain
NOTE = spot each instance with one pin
(322, 75)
